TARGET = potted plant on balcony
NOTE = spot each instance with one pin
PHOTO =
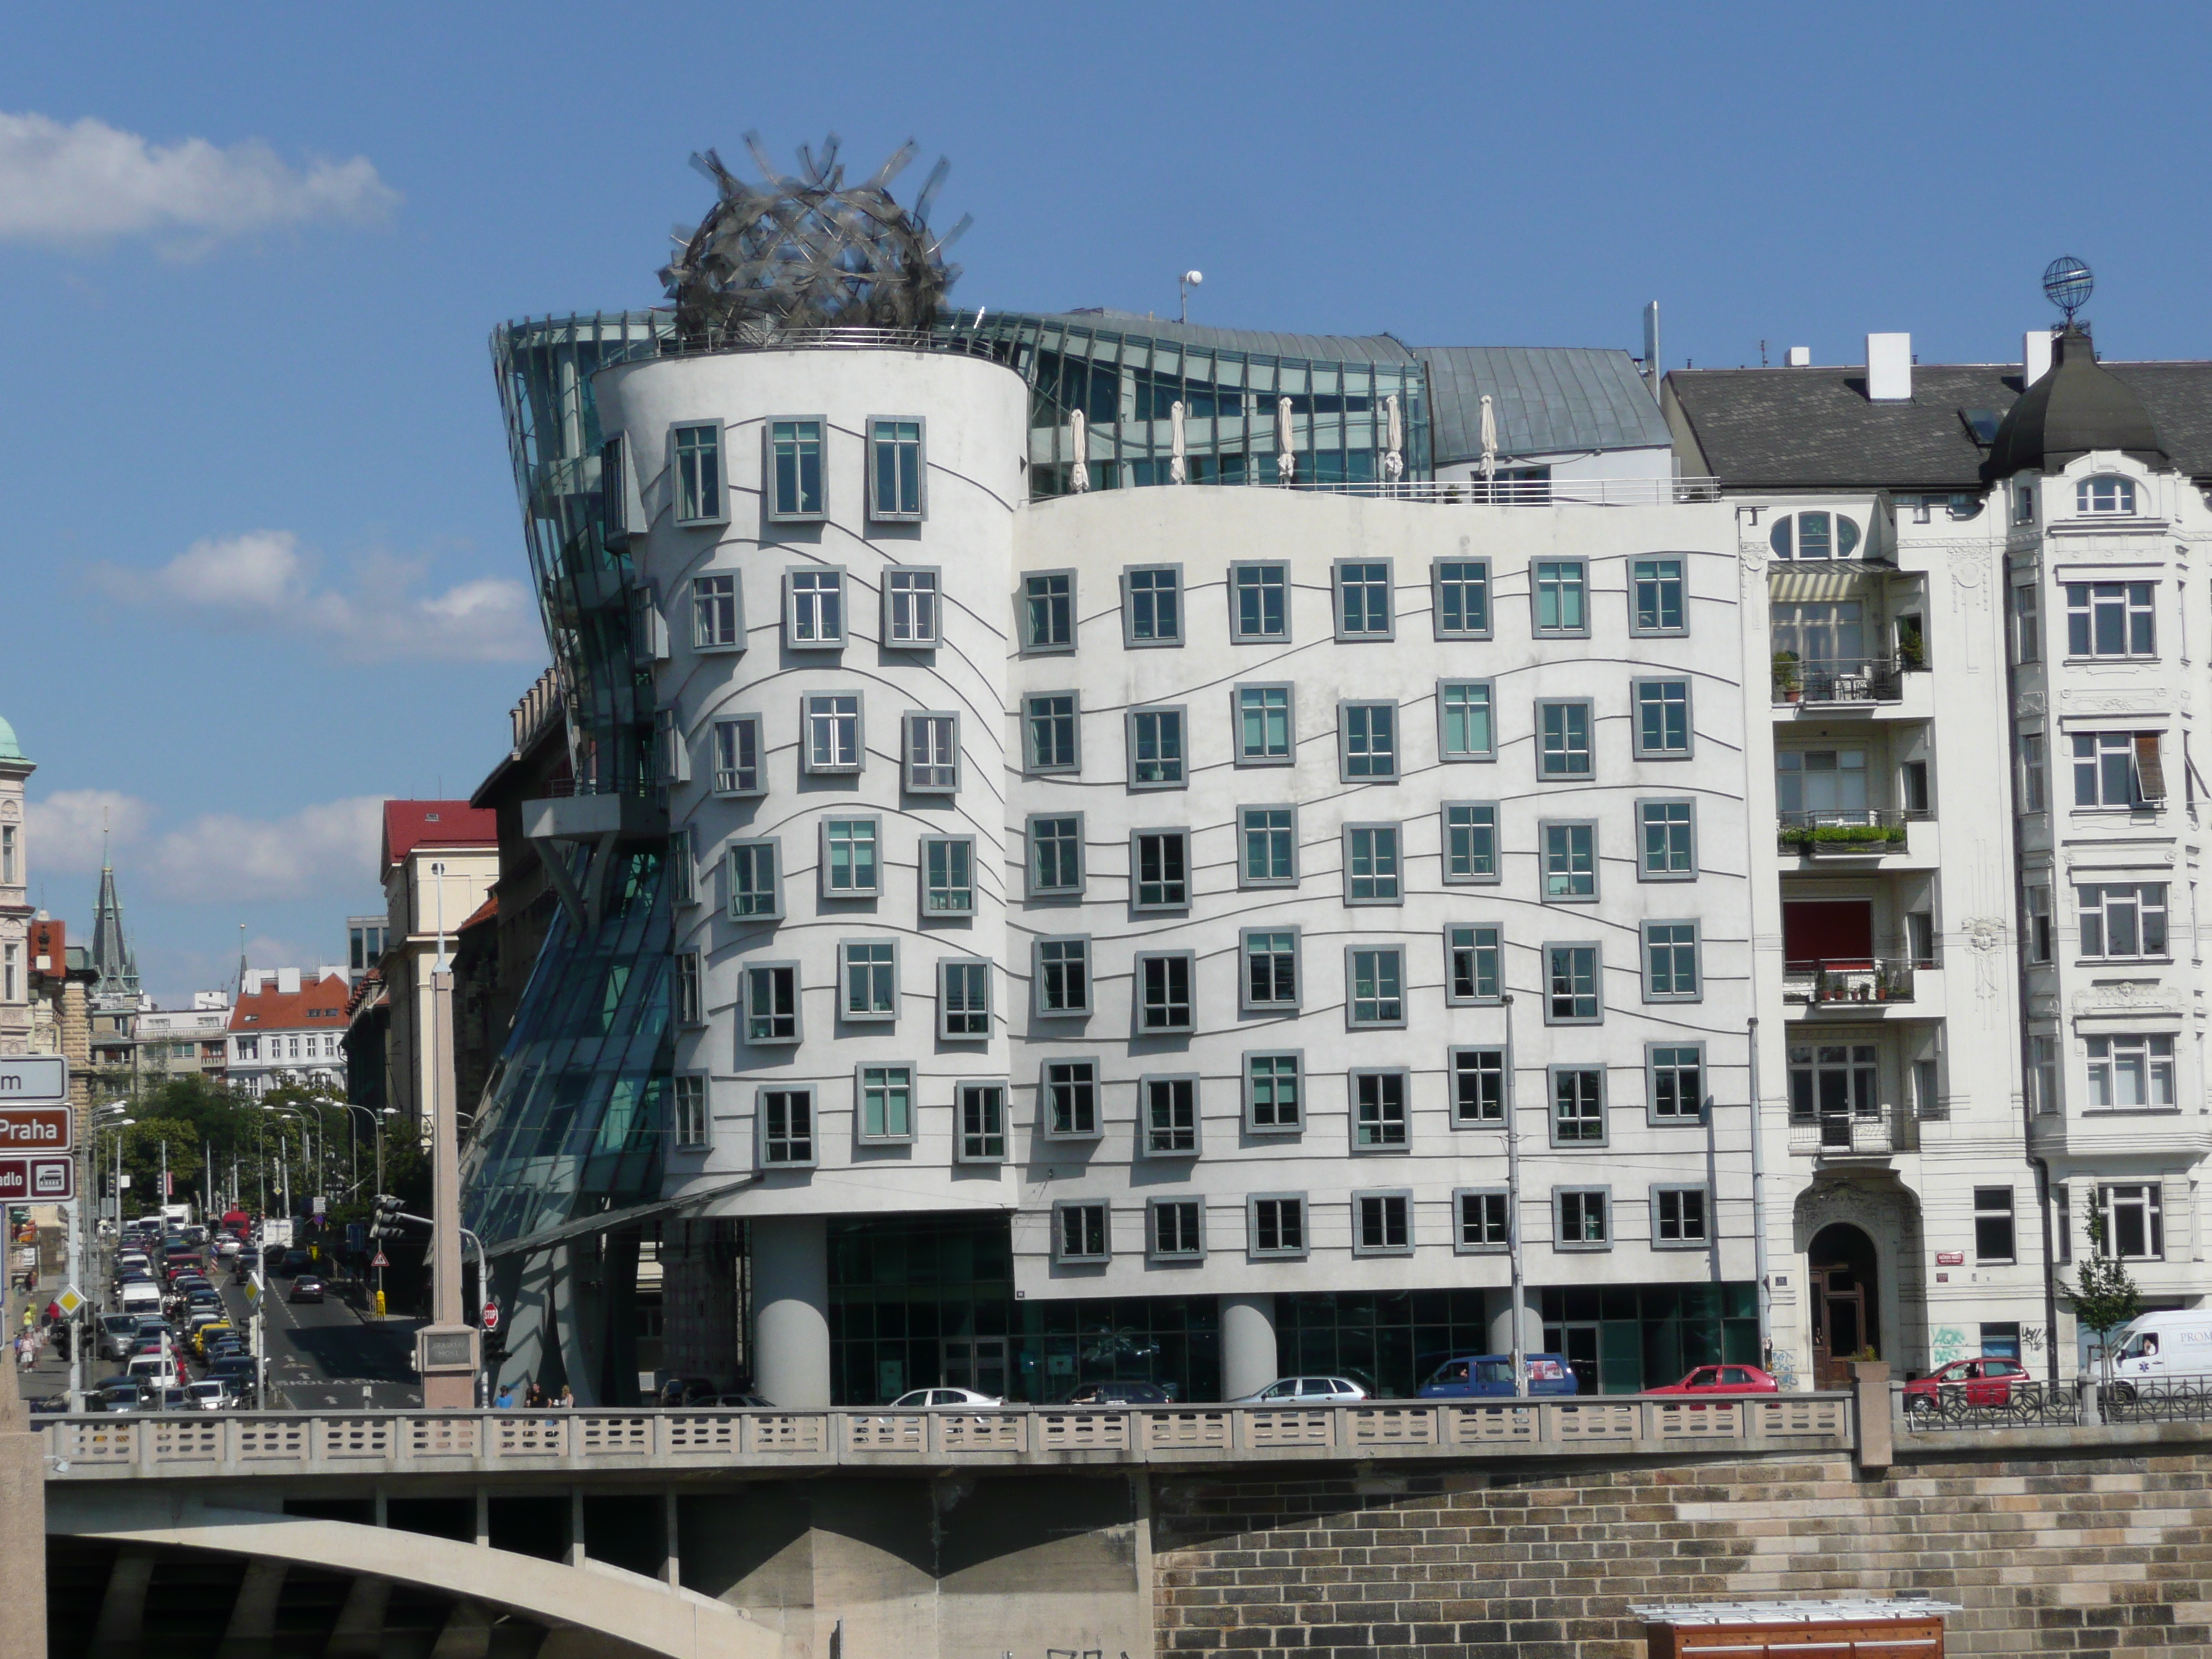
(1788, 682)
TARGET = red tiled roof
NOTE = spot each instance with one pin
(320, 1006)
(488, 911)
(408, 825)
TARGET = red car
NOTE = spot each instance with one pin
(1723, 1379)
(1982, 1381)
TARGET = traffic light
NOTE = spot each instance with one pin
(388, 1209)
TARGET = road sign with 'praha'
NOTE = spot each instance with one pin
(34, 1077)
(36, 1129)
(38, 1180)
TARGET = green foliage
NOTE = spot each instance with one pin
(1841, 835)
(2103, 1295)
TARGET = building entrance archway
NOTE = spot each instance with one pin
(1842, 1276)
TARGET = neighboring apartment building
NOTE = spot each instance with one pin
(439, 860)
(287, 1029)
(195, 1041)
(15, 910)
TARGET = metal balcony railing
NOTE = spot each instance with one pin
(1856, 679)
(1861, 1131)
(1823, 981)
(1850, 833)
(1524, 492)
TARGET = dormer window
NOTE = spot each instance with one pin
(1814, 536)
(2105, 494)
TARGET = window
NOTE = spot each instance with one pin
(1384, 1223)
(850, 865)
(1362, 600)
(2027, 624)
(1276, 1224)
(1478, 1079)
(2132, 1070)
(1473, 964)
(754, 887)
(1071, 1099)
(1263, 725)
(2120, 922)
(699, 497)
(886, 1097)
(2023, 504)
(2061, 1206)
(794, 469)
(2032, 795)
(1913, 790)
(1152, 608)
(1160, 860)
(1463, 598)
(1928, 1104)
(717, 614)
(1272, 1094)
(1678, 1217)
(1465, 729)
(982, 1112)
(894, 470)
(1176, 1229)
(1078, 1230)
(1155, 752)
(1654, 597)
(1470, 843)
(1259, 602)
(948, 875)
(1835, 1083)
(868, 970)
(1271, 968)
(1993, 1228)
(2110, 619)
(1570, 861)
(1269, 839)
(933, 754)
(1375, 980)
(690, 1113)
(2042, 1074)
(833, 731)
(963, 1001)
(772, 1002)
(1677, 1074)
(738, 755)
(1662, 720)
(1821, 785)
(1667, 842)
(682, 870)
(2135, 1226)
(1063, 977)
(786, 1127)
(1484, 1219)
(1049, 724)
(910, 609)
(1371, 864)
(2105, 494)
(1170, 1116)
(1814, 536)
(1369, 738)
(1164, 998)
(2036, 905)
(1581, 1217)
(673, 754)
(1055, 856)
(690, 1006)
(1572, 973)
(1578, 1106)
(1378, 1111)
(1670, 962)
(1049, 611)
(2117, 769)
(814, 608)
(1560, 587)
(1563, 736)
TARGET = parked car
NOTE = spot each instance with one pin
(116, 1396)
(939, 1399)
(119, 1333)
(207, 1334)
(746, 1402)
(1985, 1381)
(211, 1394)
(1306, 1391)
(685, 1391)
(2166, 1345)
(1490, 1376)
(1121, 1394)
(306, 1288)
(1723, 1379)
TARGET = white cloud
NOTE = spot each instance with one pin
(65, 828)
(263, 582)
(90, 183)
(326, 850)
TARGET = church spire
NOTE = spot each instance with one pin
(113, 958)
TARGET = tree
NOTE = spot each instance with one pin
(2103, 1295)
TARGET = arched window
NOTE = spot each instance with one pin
(1814, 536)
(2105, 493)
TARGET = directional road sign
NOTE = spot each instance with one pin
(28, 1078)
(43, 1180)
(69, 1301)
(35, 1129)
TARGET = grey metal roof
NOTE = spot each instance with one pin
(1313, 347)
(1546, 398)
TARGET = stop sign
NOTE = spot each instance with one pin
(491, 1316)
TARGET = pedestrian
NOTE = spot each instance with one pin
(567, 1399)
(506, 1401)
(535, 1399)
(53, 1313)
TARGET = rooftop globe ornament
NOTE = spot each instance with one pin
(2067, 283)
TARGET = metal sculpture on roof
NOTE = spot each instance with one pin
(2067, 283)
(810, 251)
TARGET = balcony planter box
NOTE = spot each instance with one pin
(1844, 840)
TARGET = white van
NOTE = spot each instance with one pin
(2168, 1345)
(141, 1296)
(154, 1370)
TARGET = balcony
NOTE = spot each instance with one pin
(1863, 1132)
(1858, 985)
(1822, 683)
(1842, 833)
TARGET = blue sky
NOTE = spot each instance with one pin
(261, 538)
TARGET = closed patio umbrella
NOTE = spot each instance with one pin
(1178, 472)
(1079, 451)
(1393, 443)
(1287, 458)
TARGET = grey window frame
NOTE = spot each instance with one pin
(1137, 1006)
(759, 785)
(1639, 630)
(1582, 1246)
(1596, 949)
(2010, 1212)
(1247, 1086)
(921, 878)
(1696, 943)
(1244, 758)
(674, 756)
(1031, 646)
(1031, 885)
(1047, 1128)
(703, 606)
(860, 1103)
(1653, 1116)
(1436, 579)
(1398, 855)
(1254, 1250)
(1643, 750)
(1245, 878)
(1536, 630)
(1662, 1189)
(1545, 828)
(1153, 1252)
(1361, 1197)
(1460, 1245)
(763, 1141)
(889, 604)
(1552, 1074)
(944, 1033)
(2027, 621)
(1643, 870)
(895, 514)
(770, 507)
(909, 766)
(721, 484)
(1129, 640)
(1338, 591)
(773, 910)
(622, 513)
(1380, 1147)
(1137, 903)
(1238, 634)
(833, 768)
(1180, 713)
(844, 947)
(832, 895)
(1476, 946)
(1246, 1002)
(750, 1011)
(961, 1154)
(1345, 708)
(1064, 1257)
(1445, 752)
(689, 985)
(1146, 1128)
(1475, 877)
(1379, 1022)
(682, 864)
(1589, 739)
(1499, 1058)
(2129, 611)
(1032, 762)
(1039, 974)
(694, 1132)
(2034, 771)
(2100, 906)
(843, 588)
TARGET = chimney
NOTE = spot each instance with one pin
(2034, 355)
(1800, 357)
(1889, 368)
(288, 981)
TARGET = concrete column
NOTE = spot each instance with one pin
(252, 1631)
(791, 1302)
(1498, 1307)
(1248, 1344)
(23, 1502)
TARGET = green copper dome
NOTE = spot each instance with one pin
(10, 749)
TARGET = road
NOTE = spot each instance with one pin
(323, 1355)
